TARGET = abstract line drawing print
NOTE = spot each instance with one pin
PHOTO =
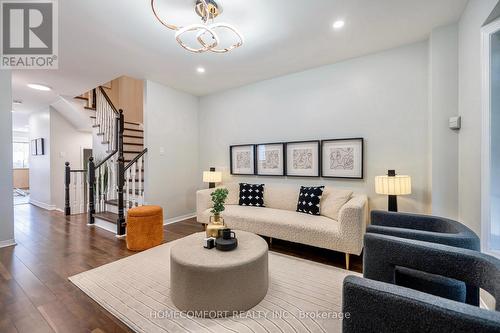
(271, 159)
(243, 160)
(303, 159)
(342, 158)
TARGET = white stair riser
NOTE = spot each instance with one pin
(103, 224)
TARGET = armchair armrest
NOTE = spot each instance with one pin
(423, 227)
(352, 220)
(375, 306)
(203, 202)
(383, 253)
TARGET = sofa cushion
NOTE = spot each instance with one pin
(233, 197)
(309, 199)
(282, 224)
(251, 195)
(332, 200)
(281, 196)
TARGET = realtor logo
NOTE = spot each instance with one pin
(29, 36)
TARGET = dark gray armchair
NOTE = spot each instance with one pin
(430, 229)
(376, 304)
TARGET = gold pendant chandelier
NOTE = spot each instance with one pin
(206, 31)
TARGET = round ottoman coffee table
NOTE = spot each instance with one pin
(213, 283)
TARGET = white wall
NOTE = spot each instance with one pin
(381, 97)
(67, 146)
(443, 103)
(171, 135)
(40, 187)
(6, 204)
(472, 19)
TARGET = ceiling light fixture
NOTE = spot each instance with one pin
(200, 70)
(206, 31)
(338, 24)
(37, 86)
(17, 101)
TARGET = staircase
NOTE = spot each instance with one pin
(116, 181)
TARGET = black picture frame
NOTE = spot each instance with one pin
(361, 162)
(258, 171)
(40, 149)
(233, 169)
(318, 153)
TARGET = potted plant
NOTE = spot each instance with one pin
(216, 221)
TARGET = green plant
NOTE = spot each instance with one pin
(218, 198)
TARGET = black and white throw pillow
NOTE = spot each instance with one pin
(309, 199)
(251, 195)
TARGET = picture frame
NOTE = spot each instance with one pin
(342, 158)
(242, 159)
(33, 147)
(40, 146)
(270, 159)
(303, 158)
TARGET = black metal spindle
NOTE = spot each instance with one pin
(67, 180)
(120, 225)
(91, 180)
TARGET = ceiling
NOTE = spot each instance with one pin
(101, 40)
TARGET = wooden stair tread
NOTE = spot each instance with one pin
(82, 97)
(89, 108)
(133, 144)
(114, 202)
(133, 129)
(133, 136)
(132, 151)
(107, 216)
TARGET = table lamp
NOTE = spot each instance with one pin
(393, 185)
(211, 177)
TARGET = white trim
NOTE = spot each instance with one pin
(103, 224)
(8, 242)
(179, 218)
(486, 33)
(42, 205)
(59, 210)
(483, 304)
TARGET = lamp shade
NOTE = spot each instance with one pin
(393, 185)
(212, 176)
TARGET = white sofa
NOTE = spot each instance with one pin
(340, 227)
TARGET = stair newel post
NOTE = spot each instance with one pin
(91, 180)
(120, 226)
(67, 180)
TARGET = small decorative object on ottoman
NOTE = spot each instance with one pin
(144, 227)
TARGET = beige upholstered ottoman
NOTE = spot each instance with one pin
(214, 283)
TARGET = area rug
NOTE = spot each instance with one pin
(303, 296)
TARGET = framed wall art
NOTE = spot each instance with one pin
(303, 159)
(33, 147)
(342, 158)
(40, 146)
(270, 159)
(242, 159)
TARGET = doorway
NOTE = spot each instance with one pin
(491, 139)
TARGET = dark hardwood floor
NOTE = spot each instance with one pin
(35, 293)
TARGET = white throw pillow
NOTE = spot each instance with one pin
(234, 193)
(332, 200)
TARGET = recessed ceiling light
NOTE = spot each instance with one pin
(200, 70)
(338, 24)
(37, 86)
(17, 101)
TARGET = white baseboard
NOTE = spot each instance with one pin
(59, 210)
(178, 218)
(8, 242)
(42, 205)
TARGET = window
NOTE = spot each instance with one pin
(21, 152)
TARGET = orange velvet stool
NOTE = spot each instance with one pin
(144, 227)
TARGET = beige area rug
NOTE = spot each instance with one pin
(303, 296)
